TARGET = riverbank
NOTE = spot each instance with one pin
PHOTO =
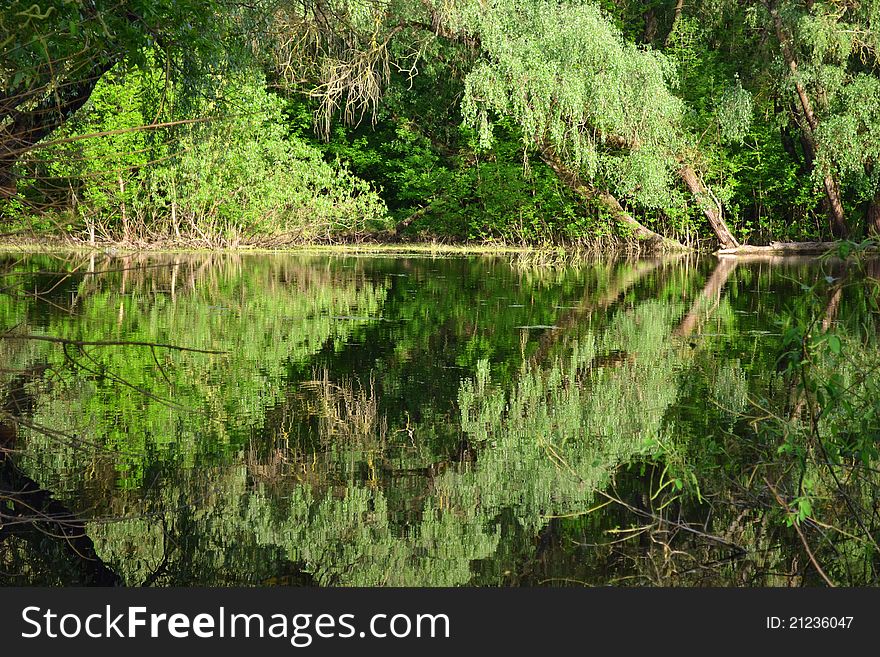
(371, 244)
(375, 244)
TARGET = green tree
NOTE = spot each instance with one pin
(54, 52)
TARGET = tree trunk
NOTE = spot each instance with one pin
(122, 207)
(710, 208)
(650, 26)
(872, 270)
(873, 215)
(839, 226)
(644, 234)
(807, 144)
(781, 248)
(8, 188)
(676, 16)
(573, 181)
(21, 130)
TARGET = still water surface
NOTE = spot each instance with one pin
(383, 421)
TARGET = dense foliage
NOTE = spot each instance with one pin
(222, 123)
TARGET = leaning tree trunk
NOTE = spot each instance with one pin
(654, 240)
(710, 208)
(22, 129)
(574, 182)
(839, 226)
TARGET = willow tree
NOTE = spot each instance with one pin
(806, 116)
(840, 45)
(597, 108)
(813, 67)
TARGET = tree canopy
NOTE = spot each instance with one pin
(718, 121)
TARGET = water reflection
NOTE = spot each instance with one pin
(407, 421)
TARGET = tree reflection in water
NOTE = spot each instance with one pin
(415, 421)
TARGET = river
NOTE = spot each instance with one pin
(343, 419)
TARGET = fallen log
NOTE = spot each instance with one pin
(776, 248)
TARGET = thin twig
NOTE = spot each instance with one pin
(801, 534)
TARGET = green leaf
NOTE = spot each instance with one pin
(834, 344)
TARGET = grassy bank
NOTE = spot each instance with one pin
(380, 243)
